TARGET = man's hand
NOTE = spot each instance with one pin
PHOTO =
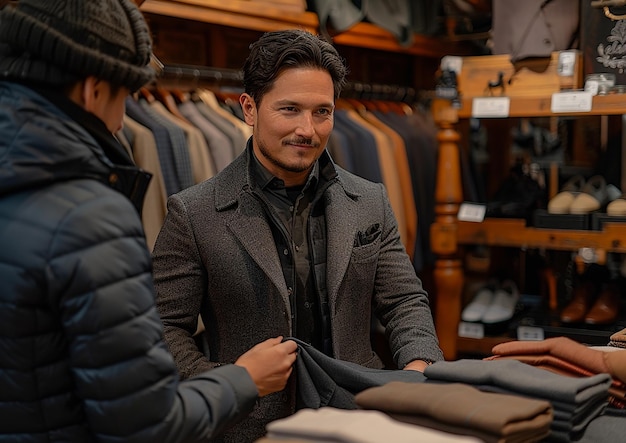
(416, 365)
(269, 363)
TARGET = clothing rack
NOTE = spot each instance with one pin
(369, 91)
(195, 75)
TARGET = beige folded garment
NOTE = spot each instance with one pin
(503, 417)
(353, 426)
(618, 339)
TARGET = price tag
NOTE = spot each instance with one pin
(471, 212)
(574, 101)
(471, 330)
(452, 63)
(567, 63)
(491, 107)
(530, 333)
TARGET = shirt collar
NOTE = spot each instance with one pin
(264, 179)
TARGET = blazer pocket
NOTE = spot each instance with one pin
(365, 253)
(363, 238)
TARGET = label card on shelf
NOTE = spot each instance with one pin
(452, 63)
(530, 333)
(471, 212)
(491, 107)
(471, 330)
(571, 101)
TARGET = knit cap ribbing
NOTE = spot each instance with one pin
(59, 41)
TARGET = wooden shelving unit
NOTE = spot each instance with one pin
(448, 234)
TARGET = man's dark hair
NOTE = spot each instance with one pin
(280, 50)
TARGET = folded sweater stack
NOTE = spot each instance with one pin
(462, 409)
(575, 401)
(565, 356)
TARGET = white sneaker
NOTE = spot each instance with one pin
(475, 310)
(502, 307)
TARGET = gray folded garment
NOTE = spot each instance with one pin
(325, 381)
(517, 377)
(567, 394)
(462, 409)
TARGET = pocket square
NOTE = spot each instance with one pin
(367, 237)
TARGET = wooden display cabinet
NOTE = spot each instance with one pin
(449, 235)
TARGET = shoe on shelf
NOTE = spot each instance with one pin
(606, 308)
(561, 202)
(502, 308)
(617, 208)
(592, 197)
(578, 307)
(475, 310)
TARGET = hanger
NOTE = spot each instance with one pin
(166, 97)
(343, 103)
(399, 108)
(146, 94)
(225, 96)
(180, 96)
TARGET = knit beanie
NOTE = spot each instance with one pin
(57, 42)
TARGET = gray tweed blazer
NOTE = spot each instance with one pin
(215, 256)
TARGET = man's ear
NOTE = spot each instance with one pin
(249, 108)
(91, 93)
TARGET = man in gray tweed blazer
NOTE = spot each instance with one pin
(283, 242)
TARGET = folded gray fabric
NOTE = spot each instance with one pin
(519, 377)
(610, 427)
(567, 394)
(324, 381)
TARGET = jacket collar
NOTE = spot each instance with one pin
(230, 182)
(67, 143)
(124, 176)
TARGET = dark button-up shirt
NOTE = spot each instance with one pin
(288, 210)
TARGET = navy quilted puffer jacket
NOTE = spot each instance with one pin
(81, 350)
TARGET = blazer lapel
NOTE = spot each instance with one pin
(248, 222)
(341, 220)
(251, 229)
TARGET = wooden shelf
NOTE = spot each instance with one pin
(258, 16)
(235, 13)
(514, 233)
(614, 104)
(366, 35)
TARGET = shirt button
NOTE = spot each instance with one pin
(297, 248)
(307, 304)
(290, 208)
(286, 251)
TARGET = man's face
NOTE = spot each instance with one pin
(113, 113)
(292, 123)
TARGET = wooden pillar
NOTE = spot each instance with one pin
(448, 273)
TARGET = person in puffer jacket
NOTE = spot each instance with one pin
(82, 356)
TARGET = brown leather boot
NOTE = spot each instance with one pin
(606, 308)
(575, 311)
